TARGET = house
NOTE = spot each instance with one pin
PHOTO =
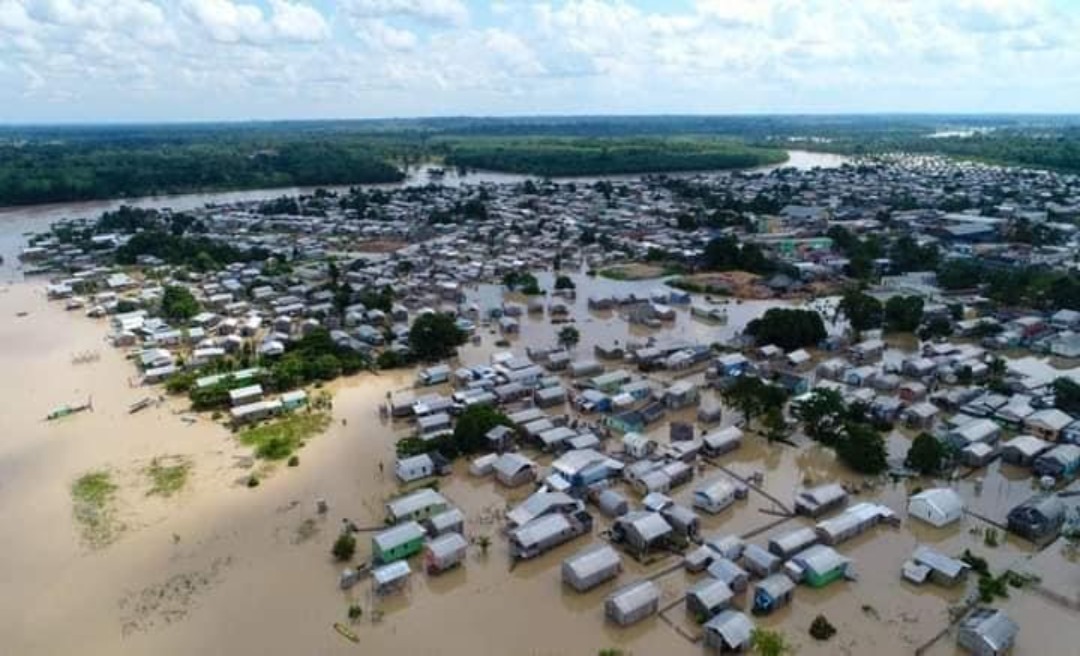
(414, 468)
(500, 438)
(759, 561)
(681, 394)
(975, 431)
(732, 364)
(867, 351)
(397, 542)
(716, 495)
(788, 544)
(926, 563)
(585, 467)
(727, 571)
(938, 507)
(978, 454)
(919, 415)
(591, 566)
(514, 469)
(987, 632)
(445, 552)
(853, 521)
(1047, 423)
(641, 531)
(612, 504)
(434, 375)
(726, 546)
(547, 532)
(729, 631)
(683, 521)
(540, 504)
(431, 426)
(816, 501)
(707, 598)
(1039, 519)
(1065, 319)
(549, 397)
(390, 577)
(698, 559)
(416, 506)
(772, 593)
(632, 603)
(1022, 450)
(818, 566)
(448, 521)
(722, 441)
(1061, 462)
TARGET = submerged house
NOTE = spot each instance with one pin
(938, 507)
(642, 531)
(818, 566)
(445, 552)
(547, 532)
(816, 501)
(771, 593)
(929, 564)
(418, 505)
(716, 495)
(728, 632)
(722, 441)
(708, 597)
(1038, 519)
(514, 469)
(788, 544)
(591, 566)
(397, 542)
(853, 521)
(632, 603)
(987, 632)
(1061, 462)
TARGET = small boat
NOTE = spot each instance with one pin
(346, 632)
(141, 404)
(65, 410)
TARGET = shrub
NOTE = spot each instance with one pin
(253, 481)
(344, 547)
(294, 461)
(821, 628)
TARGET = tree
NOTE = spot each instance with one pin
(753, 397)
(787, 328)
(564, 282)
(822, 415)
(569, 337)
(435, 336)
(863, 312)
(1067, 395)
(473, 425)
(903, 313)
(344, 547)
(775, 425)
(862, 448)
(178, 304)
(926, 455)
(769, 643)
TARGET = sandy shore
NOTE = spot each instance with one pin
(220, 568)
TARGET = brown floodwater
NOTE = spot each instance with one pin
(220, 568)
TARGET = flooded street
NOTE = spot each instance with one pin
(210, 569)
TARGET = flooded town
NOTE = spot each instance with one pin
(835, 402)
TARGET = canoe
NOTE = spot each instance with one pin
(346, 632)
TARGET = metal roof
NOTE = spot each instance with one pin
(734, 627)
(447, 545)
(592, 560)
(820, 559)
(418, 500)
(711, 592)
(635, 596)
(398, 535)
(540, 529)
(395, 571)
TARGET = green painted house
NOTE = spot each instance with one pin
(821, 565)
(397, 542)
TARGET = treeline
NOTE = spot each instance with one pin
(44, 172)
(588, 156)
(1036, 287)
(200, 253)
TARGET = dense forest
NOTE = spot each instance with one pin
(570, 156)
(41, 164)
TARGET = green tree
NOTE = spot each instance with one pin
(787, 328)
(178, 303)
(822, 415)
(927, 455)
(863, 312)
(344, 547)
(862, 448)
(473, 425)
(775, 425)
(765, 642)
(435, 336)
(569, 336)
(903, 313)
(564, 282)
(1067, 395)
(753, 397)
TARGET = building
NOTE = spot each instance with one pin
(390, 577)
(759, 561)
(1022, 450)
(788, 544)
(448, 521)
(707, 598)
(729, 631)
(772, 593)
(816, 501)
(725, 569)
(937, 506)
(1061, 462)
(445, 552)
(927, 563)
(853, 521)
(414, 468)
(641, 531)
(722, 441)
(397, 542)
(1038, 519)
(416, 506)
(514, 470)
(632, 603)
(987, 632)
(716, 495)
(1047, 423)
(546, 533)
(591, 566)
(818, 566)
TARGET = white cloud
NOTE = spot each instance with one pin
(379, 34)
(439, 12)
(226, 21)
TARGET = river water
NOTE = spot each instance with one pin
(16, 222)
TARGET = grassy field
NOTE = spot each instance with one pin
(93, 495)
(168, 475)
(278, 439)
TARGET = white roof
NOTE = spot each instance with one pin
(944, 499)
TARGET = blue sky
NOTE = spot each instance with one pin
(178, 60)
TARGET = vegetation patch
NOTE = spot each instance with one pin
(277, 440)
(168, 475)
(93, 495)
(632, 271)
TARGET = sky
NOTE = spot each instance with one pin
(203, 60)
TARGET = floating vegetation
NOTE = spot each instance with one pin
(278, 439)
(93, 495)
(168, 475)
